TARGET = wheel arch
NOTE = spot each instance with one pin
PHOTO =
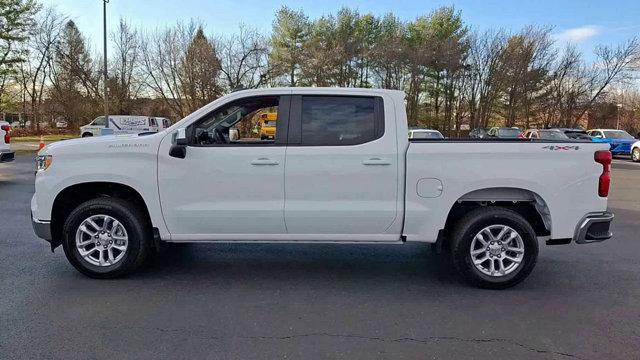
(527, 203)
(72, 196)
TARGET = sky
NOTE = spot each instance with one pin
(584, 23)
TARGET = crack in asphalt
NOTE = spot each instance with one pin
(403, 339)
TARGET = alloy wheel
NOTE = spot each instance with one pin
(497, 250)
(102, 240)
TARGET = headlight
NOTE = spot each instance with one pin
(43, 162)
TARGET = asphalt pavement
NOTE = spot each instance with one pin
(220, 301)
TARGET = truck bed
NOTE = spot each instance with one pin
(560, 176)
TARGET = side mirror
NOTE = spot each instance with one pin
(179, 149)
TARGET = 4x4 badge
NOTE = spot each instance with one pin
(561, 147)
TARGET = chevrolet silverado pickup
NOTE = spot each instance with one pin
(339, 169)
(6, 154)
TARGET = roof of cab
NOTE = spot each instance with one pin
(324, 90)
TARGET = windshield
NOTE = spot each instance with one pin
(552, 135)
(578, 135)
(427, 135)
(98, 121)
(617, 134)
(569, 132)
(509, 132)
(269, 123)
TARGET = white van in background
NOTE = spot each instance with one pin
(125, 124)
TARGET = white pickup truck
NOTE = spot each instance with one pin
(339, 170)
(6, 154)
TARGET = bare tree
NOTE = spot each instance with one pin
(614, 65)
(162, 54)
(484, 62)
(244, 59)
(124, 85)
(34, 72)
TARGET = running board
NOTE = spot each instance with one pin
(283, 242)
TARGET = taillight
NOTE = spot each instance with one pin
(604, 157)
(7, 133)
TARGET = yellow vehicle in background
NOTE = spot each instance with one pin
(268, 125)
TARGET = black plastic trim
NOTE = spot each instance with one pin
(497, 140)
(563, 241)
(7, 156)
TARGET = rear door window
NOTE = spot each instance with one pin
(340, 120)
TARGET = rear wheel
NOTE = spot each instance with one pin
(87, 134)
(635, 154)
(494, 248)
(106, 238)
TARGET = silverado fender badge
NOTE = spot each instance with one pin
(131, 145)
(561, 147)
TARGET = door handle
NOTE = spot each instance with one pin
(376, 161)
(264, 161)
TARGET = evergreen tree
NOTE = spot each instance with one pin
(16, 23)
(289, 34)
(200, 71)
(74, 83)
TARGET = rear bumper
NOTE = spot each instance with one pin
(6, 156)
(594, 227)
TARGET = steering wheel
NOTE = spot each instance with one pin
(219, 137)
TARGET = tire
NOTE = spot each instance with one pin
(635, 154)
(466, 238)
(132, 225)
(87, 134)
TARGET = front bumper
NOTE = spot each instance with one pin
(6, 156)
(594, 227)
(41, 228)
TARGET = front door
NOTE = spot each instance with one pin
(341, 176)
(226, 188)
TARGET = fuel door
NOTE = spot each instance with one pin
(429, 188)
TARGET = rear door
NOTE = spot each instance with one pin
(341, 172)
(153, 124)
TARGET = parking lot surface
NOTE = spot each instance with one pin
(317, 301)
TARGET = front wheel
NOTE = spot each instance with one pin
(106, 238)
(635, 155)
(494, 248)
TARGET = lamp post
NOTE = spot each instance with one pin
(618, 122)
(107, 130)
